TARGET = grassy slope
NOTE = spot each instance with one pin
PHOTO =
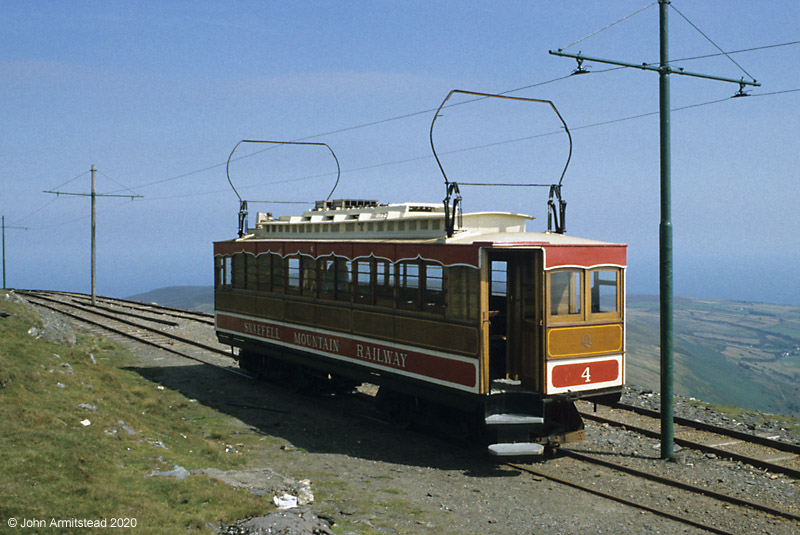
(739, 354)
(52, 466)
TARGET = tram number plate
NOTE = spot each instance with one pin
(581, 373)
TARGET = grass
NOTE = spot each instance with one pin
(81, 434)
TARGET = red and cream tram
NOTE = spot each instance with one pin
(508, 327)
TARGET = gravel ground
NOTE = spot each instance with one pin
(369, 477)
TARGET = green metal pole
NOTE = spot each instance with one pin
(665, 241)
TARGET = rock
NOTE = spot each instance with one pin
(178, 472)
(126, 428)
(296, 521)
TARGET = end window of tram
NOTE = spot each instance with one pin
(605, 291)
(565, 292)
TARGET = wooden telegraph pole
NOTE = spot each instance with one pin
(3, 219)
(94, 196)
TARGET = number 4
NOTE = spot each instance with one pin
(586, 375)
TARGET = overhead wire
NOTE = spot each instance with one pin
(726, 54)
(117, 183)
(431, 110)
(467, 149)
(626, 17)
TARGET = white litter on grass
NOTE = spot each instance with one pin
(86, 423)
(287, 501)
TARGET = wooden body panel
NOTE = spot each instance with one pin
(584, 340)
(435, 334)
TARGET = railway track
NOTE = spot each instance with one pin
(707, 438)
(685, 504)
(765, 453)
(140, 327)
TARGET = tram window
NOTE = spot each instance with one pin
(499, 282)
(463, 293)
(238, 274)
(565, 292)
(277, 272)
(224, 272)
(251, 272)
(408, 284)
(362, 273)
(434, 296)
(264, 273)
(309, 275)
(604, 291)
(344, 280)
(384, 282)
(327, 277)
(293, 273)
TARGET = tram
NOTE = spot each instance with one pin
(466, 315)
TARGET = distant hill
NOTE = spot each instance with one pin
(728, 352)
(194, 298)
(734, 353)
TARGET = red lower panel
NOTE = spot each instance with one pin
(372, 353)
(584, 373)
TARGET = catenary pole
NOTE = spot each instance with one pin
(94, 196)
(665, 227)
(665, 239)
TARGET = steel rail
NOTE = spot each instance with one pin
(766, 465)
(168, 323)
(680, 484)
(135, 337)
(130, 323)
(203, 317)
(702, 426)
(625, 501)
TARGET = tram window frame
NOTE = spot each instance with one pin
(294, 275)
(250, 271)
(238, 272)
(363, 278)
(463, 295)
(385, 283)
(434, 287)
(264, 267)
(409, 284)
(278, 272)
(573, 290)
(344, 279)
(308, 275)
(596, 297)
(326, 272)
(224, 272)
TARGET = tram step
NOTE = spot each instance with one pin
(510, 419)
(515, 449)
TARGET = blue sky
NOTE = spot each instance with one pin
(156, 94)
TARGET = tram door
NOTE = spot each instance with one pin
(515, 304)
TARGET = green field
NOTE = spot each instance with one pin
(734, 353)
